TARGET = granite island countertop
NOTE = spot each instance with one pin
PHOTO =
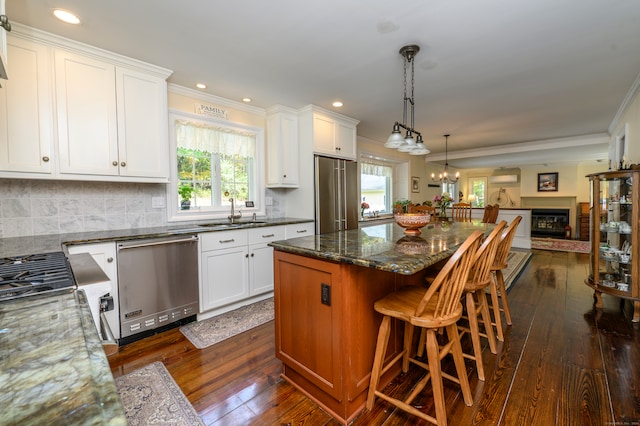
(53, 369)
(385, 246)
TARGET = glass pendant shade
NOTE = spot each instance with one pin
(395, 139)
(409, 144)
(420, 148)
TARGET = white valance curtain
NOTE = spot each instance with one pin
(376, 169)
(209, 138)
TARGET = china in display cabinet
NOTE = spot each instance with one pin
(615, 228)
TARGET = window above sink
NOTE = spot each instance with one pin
(218, 160)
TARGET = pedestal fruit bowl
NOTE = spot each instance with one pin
(412, 222)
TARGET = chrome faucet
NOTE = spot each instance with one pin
(233, 216)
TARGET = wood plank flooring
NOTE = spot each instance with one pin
(562, 363)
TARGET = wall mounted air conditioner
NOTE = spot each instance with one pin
(503, 179)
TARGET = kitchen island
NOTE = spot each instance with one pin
(325, 289)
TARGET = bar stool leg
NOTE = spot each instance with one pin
(433, 355)
(495, 302)
(458, 358)
(378, 359)
(503, 293)
(474, 330)
(486, 320)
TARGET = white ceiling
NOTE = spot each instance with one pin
(490, 72)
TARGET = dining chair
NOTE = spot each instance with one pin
(437, 307)
(499, 301)
(461, 212)
(491, 213)
(432, 211)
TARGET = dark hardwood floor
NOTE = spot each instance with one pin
(562, 363)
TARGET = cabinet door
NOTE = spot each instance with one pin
(260, 269)
(26, 119)
(224, 277)
(323, 135)
(143, 146)
(87, 126)
(345, 140)
(105, 256)
(282, 150)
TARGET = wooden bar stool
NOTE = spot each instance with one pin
(461, 212)
(491, 213)
(480, 277)
(437, 307)
(498, 290)
(430, 210)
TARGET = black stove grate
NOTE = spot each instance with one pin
(26, 275)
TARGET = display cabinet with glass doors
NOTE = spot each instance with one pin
(615, 227)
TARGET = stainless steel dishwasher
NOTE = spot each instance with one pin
(157, 284)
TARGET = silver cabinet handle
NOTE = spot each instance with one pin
(268, 236)
(301, 231)
(226, 241)
(123, 164)
(45, 159)
(115, 163)
(109, 259)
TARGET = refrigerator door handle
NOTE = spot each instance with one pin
(343, 195)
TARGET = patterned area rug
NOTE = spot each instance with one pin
(150, 396)
(213, 330)
(560, 245)
(516, 261)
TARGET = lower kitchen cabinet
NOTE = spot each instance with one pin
(236, 265)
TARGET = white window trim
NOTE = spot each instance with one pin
(174, 214)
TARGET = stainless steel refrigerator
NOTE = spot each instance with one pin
(336, 194)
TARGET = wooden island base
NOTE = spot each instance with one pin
(326, 328)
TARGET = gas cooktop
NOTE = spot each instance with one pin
(23, 276)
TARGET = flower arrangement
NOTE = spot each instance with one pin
(364, 205)
(443, 202)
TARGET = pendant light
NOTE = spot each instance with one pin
(444, 176)
(407, 143)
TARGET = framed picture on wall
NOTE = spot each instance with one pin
(415, 184)
(547, 182)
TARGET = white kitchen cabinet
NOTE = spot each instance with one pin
(236, 265)
(296, 230)
(332, 134)
(261, 257)
(26, 117)
(112, 121)
(87, 122)
(282, 148)
(225, 271)
(105, 256)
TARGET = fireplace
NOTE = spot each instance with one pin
(549, 222)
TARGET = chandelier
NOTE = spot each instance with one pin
(407, 143)
(444, 176)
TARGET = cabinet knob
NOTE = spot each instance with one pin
(251, 254)
(45, 159)
(123, 164)
(115, 163)
(338, 148)
(284, 176)
(246, 255)
(109, 259)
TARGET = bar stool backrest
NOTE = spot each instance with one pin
(505, 243)
(449, 283)
(481, 265)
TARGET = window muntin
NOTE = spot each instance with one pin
(220, 160)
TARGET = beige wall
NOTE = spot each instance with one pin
(631, 118)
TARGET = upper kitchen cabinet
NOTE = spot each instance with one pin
(26, 116)
(282, 147)
(112, 121)
(110, 113)
(333, 134)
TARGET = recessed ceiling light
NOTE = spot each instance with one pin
(337, 104)
(66, 16)
(247, 100)
(201, 86)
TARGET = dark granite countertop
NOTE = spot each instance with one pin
(49, 243)
(54, 370)
(385, 246)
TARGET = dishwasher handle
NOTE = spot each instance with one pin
(124, 246)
